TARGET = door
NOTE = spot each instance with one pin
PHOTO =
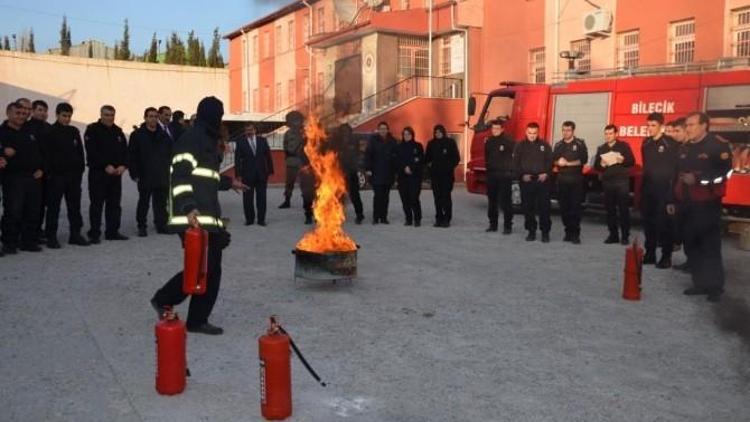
(348, 86)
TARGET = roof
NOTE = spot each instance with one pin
(286, 10)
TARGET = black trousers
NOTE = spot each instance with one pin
(500, 191)
(43, 203)
(570, 198)
(104, 191)
(254, 199)
(658, 226)
(22, 194)
(157, 196)
(59, 186)
(409, 189)
(380, 202)
(702, 239)
(200, 306)
(307, 186)
(617, 205)
(535, 202)
(291, 179)
(352, 189)
(442, 186)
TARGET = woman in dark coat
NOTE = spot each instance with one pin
(380, 163)
(410, 165)
(441, 159)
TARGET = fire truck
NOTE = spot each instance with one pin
(625, 101)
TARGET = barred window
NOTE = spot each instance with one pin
(682, 41)
(537, 65)
(628, 44)
(445, 56)
(583, 46)
(741, 32)
(290, 93)
(290, 34)
(278, 39)
(413, 57)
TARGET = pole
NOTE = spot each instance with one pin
(429, 40)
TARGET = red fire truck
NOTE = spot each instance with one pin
(625, 102)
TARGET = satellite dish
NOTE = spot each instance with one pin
(346, 10)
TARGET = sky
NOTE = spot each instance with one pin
(104, 20)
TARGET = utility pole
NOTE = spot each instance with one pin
(429, 40)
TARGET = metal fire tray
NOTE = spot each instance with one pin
(330, 266)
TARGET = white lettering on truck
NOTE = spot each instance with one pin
(642, 107)
(633, 131)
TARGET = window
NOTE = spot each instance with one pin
(266, 45)
(290, 34)
(413, 57)
(537, 65)
(627, 49)
(256, 100)
(278, 96)
(290, 92)
(255, 49)
(445, 56)
(583, 46)
(306, 27)
(266, 98)
(404, 4)
(741, 32)
(321, 24)
(278, 39)
(682, 41)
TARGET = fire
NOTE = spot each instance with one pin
(330, 187)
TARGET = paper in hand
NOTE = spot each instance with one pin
(611, 158)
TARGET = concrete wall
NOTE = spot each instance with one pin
(89, 83)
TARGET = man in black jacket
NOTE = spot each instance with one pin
(3, 164)
(107, 155)
(441, 158)
(150, 153)
(38, 127)
(21, 184)
(570, 155)
(346, 146)
(65, 164)
(532, 161)
(380, 162)
(195, 186)
(614, 159)
(659, 153)
(177, 126)
(253, 163)
(498, 158)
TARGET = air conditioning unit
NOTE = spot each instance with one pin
(597, 23)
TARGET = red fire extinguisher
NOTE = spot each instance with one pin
(194, 276)
(171, 361)
(631, 288)
(276, 372)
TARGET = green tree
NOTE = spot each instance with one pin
(116, 53)
(202, 55)
(124, 49)
(193, 49)
(91, 50)
(175, 50)
(65, 40)
(152, 56)
(32, 48)
(214, 53)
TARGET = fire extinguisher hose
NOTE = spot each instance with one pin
(302, 357)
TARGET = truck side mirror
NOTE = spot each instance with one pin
(472, 106)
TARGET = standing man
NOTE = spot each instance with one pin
(659, 153)
(703, 169)
(380, 162)
(65, 164)
(347, 148)
(165, 118)
(178, 125)
(570, 155)
(195, 185)
(679, 134)
(441, 158)
(533, 164)
(21, 184)
(498, 158)
(150, 153)
(3, 164)
(294, 145)
(107, 155)
(38, 128)
(253, 164)
(614, 159)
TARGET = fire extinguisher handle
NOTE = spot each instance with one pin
(302, 357)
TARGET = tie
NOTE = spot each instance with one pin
(252, 144)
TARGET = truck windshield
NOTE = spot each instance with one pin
(497, 106)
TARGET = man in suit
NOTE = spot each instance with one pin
(253, 164)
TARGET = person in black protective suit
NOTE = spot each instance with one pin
(194, 194)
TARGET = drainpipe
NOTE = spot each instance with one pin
(465, 31)
(310, 55)
(429, 54)
(246, 70)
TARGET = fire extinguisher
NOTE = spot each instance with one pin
(631, 289)
(171, 361)
(195, 274)
(276, 372)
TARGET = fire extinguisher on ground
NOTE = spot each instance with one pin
(171, 359)
(195, 274)
(276, 372)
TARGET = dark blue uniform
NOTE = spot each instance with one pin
(442, 157)
(659, 170)
(150, 154)
(411, 156)
(616, 184)
(498, 158)
(380, 159)
(534, 159)
(570, 185)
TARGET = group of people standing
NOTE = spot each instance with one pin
(684, 173)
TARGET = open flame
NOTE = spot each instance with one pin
(330, 187)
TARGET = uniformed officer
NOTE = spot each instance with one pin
(532, 161)
(498, 158)
(346, 146)
(679, 134)
(38, 127)
(65, 164)
(441, 158)
(294, 145)
(614, 160)
(380, 162)
(410, 170)
(107, 155)
(150, 153)
(195, 185)
(703, 169)
(570, 155)
(21, 184)
(659, 154)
